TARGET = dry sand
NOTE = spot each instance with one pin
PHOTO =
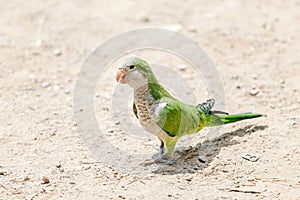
(255, 48)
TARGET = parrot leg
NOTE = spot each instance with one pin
(170, 145)
(165, 154)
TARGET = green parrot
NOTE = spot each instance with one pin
(162, 114)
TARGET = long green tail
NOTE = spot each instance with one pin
(219, 119)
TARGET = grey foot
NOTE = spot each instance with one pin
(162, 159)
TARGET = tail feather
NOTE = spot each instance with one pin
(219, 119)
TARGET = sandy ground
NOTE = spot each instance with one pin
(254, 46)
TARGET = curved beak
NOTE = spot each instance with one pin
(120, 75)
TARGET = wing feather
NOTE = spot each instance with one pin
(178, 119)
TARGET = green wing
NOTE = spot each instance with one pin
(178, 119)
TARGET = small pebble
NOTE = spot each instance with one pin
(143, 17)
(110, 130)
(250, 157)
(57, 52)
(189, 179)
(254, 92)
(45, 180)
(293, 122)
(46, 84)
(282, 81)
(181, 187)
(67, 91)
(58, 164)
(182, 67)
(86, 167)
(202, 159)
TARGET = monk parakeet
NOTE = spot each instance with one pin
(162, 114)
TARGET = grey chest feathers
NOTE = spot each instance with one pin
(146, 109)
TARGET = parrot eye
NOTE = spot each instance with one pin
(131, 67)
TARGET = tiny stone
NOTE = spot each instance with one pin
(74, 128)
(9, 123)
(45, 180)
(2, 173)
(67, 91)
(58, 164)
(254, 76)
(182, 67)
(46, 84)
(110, 130)
(293, 122)
(57, 52)
(143, 17)
(181, 187)
(202, 159)
(254, 92)
(86, 167)
(250, 157)
(189, 179)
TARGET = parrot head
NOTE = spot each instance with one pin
(135, 72)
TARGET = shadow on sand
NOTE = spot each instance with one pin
(187, 161)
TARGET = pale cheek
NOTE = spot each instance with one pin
(135, 79)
